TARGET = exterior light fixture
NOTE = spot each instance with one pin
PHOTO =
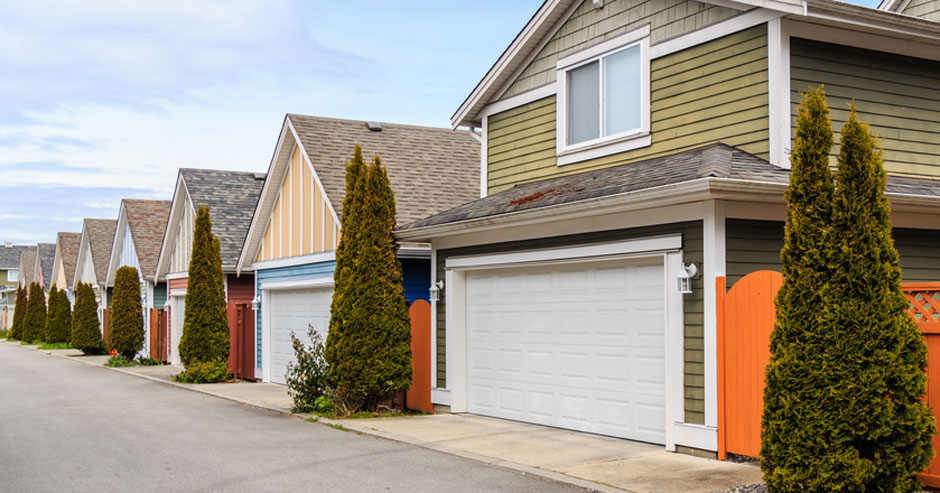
(256, 303)
(684, 278)
(435, 291)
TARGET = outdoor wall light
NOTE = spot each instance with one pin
(435, 291)
(684, 278)
(256, 303)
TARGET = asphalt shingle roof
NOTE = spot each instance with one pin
(101, 238)
(430, 169)
(27, 266)
(68, 249)
(10, 255)
(231, 197)
(147, 222)
(714, 160)
(46, 259)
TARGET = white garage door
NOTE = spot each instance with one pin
(294, 310)
(578, 346)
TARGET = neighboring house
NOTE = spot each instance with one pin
(138, 235)
(231, 197)
(623, 141)
(63, 265)
(296, 225)
(45, 257)
(27, 269)
(9, 280)
(94, 255)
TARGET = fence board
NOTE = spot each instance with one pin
(418, 396)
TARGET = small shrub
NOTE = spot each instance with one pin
(35, 323)
(19, 314)
(86, 329)
(127, 321)
(308, 378)
(209, 372)
(55, 345)
(118, 361)
(147, 361)
(325, 405)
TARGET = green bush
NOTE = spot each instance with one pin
(86, 329)
(205, 327)
(19, 314)
(148, 361)
(205, 372)
(308, 378)
(118, 361)
(59, 319)
(127, 319)
(35, 322)
(4, 333)
(368, 345)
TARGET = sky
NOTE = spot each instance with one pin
(104, 99)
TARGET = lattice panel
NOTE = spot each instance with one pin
(925, 305)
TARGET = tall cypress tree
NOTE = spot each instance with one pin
(127, 319)
(205, 326)
(789, 436)
(873, 369)
(35, 314)
(368, 344)
(86, 328)
(19, 313)
(59, 317)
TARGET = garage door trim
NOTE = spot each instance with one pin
(266, 316)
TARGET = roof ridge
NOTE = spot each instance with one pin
(392, 124)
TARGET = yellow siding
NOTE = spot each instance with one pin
(296, 210)
(306, 232)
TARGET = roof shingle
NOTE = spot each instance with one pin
(27, 266)
(68, 250)
(10, 255)
(46, 259)
(101, 237)
(146, 220)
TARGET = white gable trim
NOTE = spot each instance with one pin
(117, 245)
(172, 227)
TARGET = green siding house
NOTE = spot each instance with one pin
(626, 141)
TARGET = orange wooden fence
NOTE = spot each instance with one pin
(158, 334)
(418, 396)
(106, 327)
(746, 317)
(241, 356)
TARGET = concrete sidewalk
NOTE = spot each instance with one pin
(590, 461)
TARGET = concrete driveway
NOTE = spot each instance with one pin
(74, 427)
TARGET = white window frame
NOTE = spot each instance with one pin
(611, 144)
(13, 275)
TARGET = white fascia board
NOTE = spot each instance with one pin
(787, 6)
(313, 258)
(865, 40)
(172, 228)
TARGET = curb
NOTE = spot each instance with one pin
(365, 430)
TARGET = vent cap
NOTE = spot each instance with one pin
(374, 126)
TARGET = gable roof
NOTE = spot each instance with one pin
(430, 169)
(44, 261)
(146, 220)
(98, 234)
(10, 255)
(67, 251)
(27, 266)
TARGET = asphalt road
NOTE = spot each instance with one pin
(66, 426)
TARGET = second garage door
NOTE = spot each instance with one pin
(294, 310)
(578, 346)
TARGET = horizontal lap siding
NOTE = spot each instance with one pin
(755, 245)
(898, 96)
(241, 289)
(714, 92)
(928, 9)
(159, 295)
(589, 25)
(693, 304)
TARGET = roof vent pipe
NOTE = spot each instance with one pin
(374, 126)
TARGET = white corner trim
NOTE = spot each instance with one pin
(578, 253)
(778, 52)
(456, 361)
(440, 396)
(675, 346)
(713, 265)
(314, 282)
(602, 48)
(310, 258)
(434, 327)
(484, 156)
(605, 149)
(732, 25)
(695, 436)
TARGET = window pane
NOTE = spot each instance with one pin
(584, 103)
(622, 91)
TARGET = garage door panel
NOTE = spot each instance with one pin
(293, 311)
(578, 346)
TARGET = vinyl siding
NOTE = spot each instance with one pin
(159, 295)
(589, 26)
(928, 9)
(241, 289)
(693, 304)
(714, 92)
(756, 245)
(898, 96)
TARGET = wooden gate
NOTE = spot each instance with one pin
(241, 356)
(106, 327)
(158, 334)
(418, 396)
(925, 308)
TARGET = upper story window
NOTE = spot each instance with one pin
(603, 98)
(13, 275)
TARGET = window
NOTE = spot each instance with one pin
(603, 97)
(13, 275)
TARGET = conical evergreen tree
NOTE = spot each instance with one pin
(35, 314)
(790, 395)
(205, 327)
(59, 318)
(86, 328)
(369, 339)
(127, 319)
(19, 313)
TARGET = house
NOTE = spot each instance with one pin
(138, 235)
(27, 268)
(231, 197)
(45, 256)
(629, 146)
(63, 264)
(94, 256)
(9, 280)
(296, 224)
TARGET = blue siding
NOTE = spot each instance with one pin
(416, 278)
(280, 274)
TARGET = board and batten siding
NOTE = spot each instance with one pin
(898, 96)
(589, 25)
(128, 255)
(928, 9)
(301, 221)
(755, 245)
(713, 92)
(693, 304)
(183, 247)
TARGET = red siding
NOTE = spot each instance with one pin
(174, 284)
(241, 289)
